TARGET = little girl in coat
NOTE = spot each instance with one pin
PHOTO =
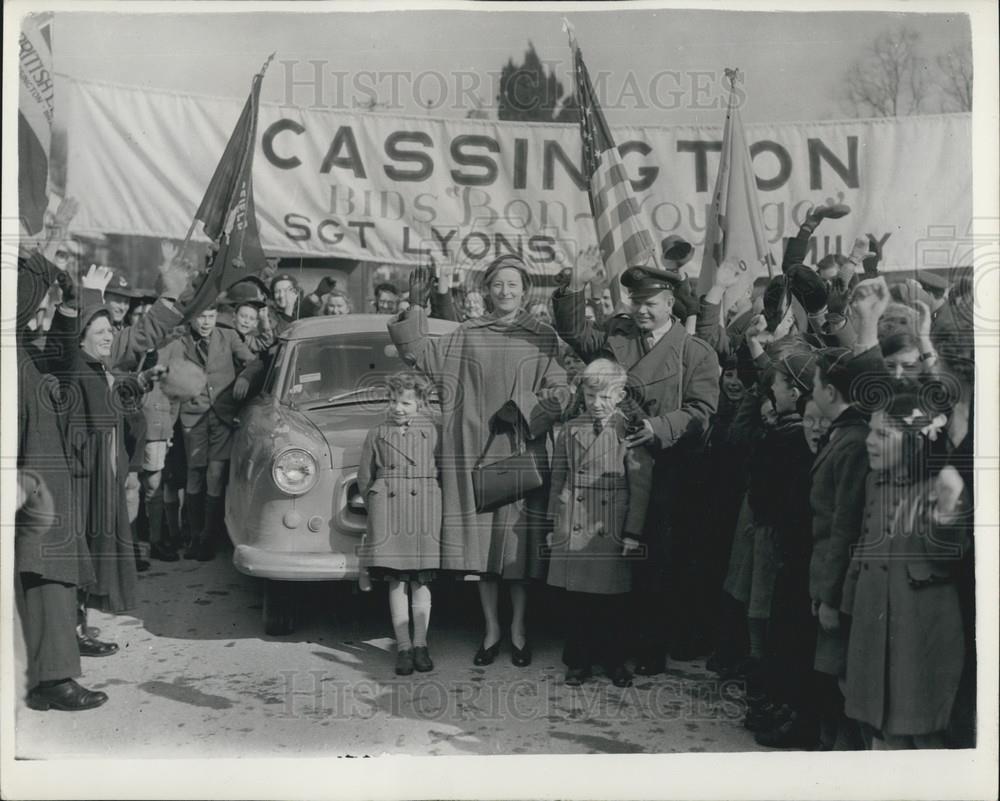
(598, 501)
(398, 478)
(905, 650)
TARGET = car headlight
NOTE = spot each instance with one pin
(294, 471)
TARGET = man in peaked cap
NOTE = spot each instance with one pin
(673, 380)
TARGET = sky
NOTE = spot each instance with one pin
(662, 66)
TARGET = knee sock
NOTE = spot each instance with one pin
(420, 595)
(757, 629)
(399, 612)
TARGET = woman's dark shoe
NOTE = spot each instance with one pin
(620, 677)
(404, 662)
(576, 676)
(66, 696)
(191, 552)
(422, 659)
(521, 657)
(162, 553)
(91, 647)
(485, 656)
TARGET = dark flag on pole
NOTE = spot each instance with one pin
(623, 240)
(227, 211)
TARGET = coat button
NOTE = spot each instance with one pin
(580, 498)
(392, 467)
(885, 568)
(413, 492)
(865, 565)
(604, 503)
(577, 527)
(393, 495)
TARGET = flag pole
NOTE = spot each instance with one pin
(182, 251)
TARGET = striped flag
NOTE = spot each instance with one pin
(227, 211)
(35, 110)
(623, 240)
(735, 229)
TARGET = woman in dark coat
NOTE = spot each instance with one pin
(95, 408)
(500, 384)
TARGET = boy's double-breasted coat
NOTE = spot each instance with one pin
(600, 493)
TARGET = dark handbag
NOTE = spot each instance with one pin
(509, 479)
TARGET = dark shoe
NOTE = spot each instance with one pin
(650, 667)
(485, 656)
(162, 553)
(620, 677)
(191, 552)
(66, 696)
(576, 676)
(520, 657)
(141, 565)
(766, 717)
(792, 733)
(91, 647)
(404, 662)
(422, 659)
(205, 551)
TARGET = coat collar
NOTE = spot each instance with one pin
(672, 341)
(522, 319)
(591, 445)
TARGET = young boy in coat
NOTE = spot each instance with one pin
(598, 501)
(837, 498)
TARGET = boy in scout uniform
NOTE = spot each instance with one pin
(673, 386)
(207, 422)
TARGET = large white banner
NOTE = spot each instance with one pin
(389, 188)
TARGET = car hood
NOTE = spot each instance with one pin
(344, 428)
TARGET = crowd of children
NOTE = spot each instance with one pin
(834, 497)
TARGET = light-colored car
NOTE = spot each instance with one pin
(293, 508)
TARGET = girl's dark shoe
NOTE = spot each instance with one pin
(521, 657)
(66, 696)
(485, 656)
(620, 677)
(576, 676)
(404, 662)
(422, 659)
(90, 647)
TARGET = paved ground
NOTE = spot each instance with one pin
(197, 677)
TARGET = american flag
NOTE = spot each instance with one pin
(623, 240)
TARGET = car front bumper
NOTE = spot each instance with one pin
(295, 566)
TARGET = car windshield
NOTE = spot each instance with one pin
(346, 369)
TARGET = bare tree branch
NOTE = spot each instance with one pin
(955, 67)
(891, 79)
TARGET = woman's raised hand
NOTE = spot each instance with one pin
(420, 285)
